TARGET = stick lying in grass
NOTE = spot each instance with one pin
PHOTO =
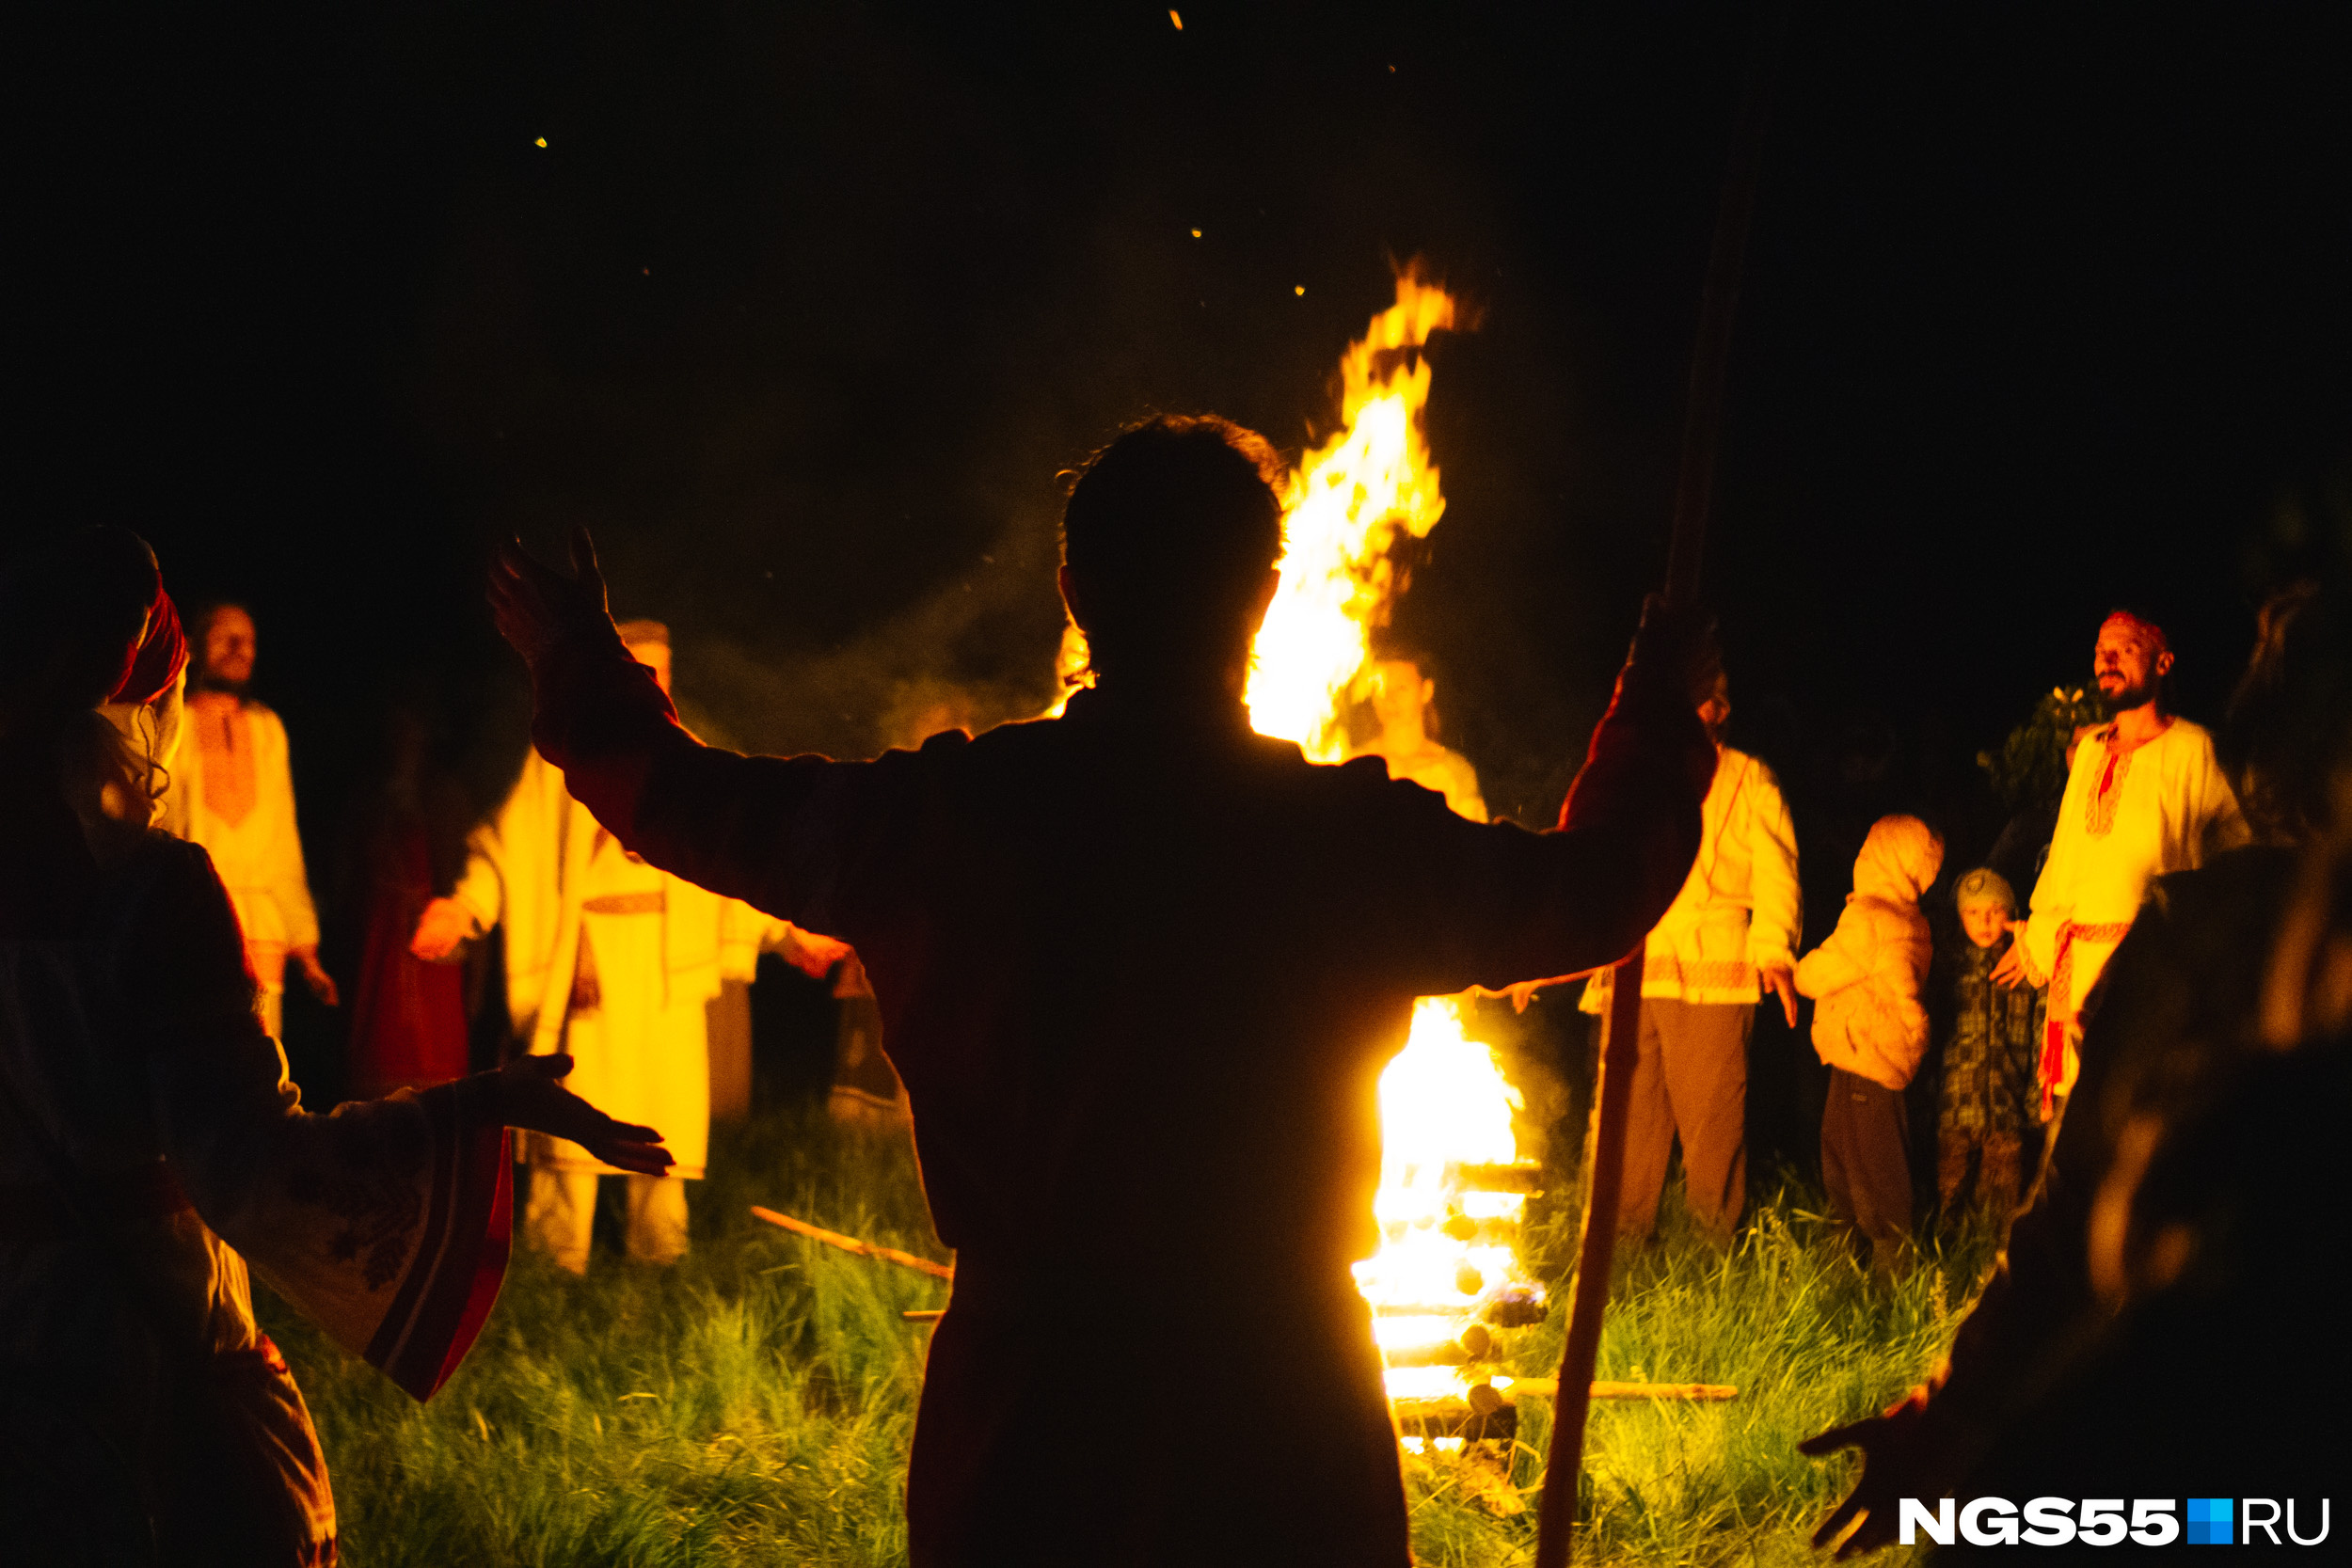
(1550, 1386)
(851, 1243)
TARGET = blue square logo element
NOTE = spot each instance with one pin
(2209, 1522)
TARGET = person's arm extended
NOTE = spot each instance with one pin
(726, 822)
(385, 1222)
(1532, 906)
(1776, 898)
(477, 901)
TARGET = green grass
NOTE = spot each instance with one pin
(752, 1405)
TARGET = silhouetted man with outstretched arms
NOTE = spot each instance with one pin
(1140, 970)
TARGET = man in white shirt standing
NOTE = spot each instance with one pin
(2145, 796)
(1730, 936)
(614, 962)
(233, 794)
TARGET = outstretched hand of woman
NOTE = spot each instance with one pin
(531, 1096)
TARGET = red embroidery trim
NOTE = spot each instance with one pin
(2061, 1004)
(2099, 813)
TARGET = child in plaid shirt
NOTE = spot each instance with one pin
(1988, 1088)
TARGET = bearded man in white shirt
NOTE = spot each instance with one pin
(2144, 797)
(232, 793)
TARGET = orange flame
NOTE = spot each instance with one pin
(1348, 501)
(1446, 1250)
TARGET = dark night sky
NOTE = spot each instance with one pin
(803, 308)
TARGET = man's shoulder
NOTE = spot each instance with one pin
(267, 729)
(2191, 739)
(1736, 763)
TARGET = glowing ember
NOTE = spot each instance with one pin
(1447, 1254)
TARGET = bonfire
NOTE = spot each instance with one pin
(1452, 1184)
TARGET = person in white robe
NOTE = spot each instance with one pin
(2145, 795)
(232, 791)
(613, 962)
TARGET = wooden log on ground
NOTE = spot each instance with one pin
(1549, 1387)
(851, 1243)
(1455, 1418)
(1472, 1342)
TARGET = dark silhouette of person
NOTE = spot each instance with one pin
(1140, 970)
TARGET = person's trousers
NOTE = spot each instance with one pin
(1691, 1079)
(1865, 1132)
(1999, 1158)
(561, 1216)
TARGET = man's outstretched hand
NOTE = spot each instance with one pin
(1899, 1460)
(531, 1096)
(2012, 971)
(445, 926)
(538, 608)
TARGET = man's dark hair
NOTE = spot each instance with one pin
(1169, 535)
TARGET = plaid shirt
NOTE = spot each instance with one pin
(1989, 1056)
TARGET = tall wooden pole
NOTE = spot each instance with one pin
(1694, 488)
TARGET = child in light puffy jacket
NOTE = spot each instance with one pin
(1872, 1031)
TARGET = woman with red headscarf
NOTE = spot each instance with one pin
(151, 1146)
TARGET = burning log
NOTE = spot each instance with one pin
(851, 1243)
(1525, 1177)
(1456, 1418)
(1471, 1343)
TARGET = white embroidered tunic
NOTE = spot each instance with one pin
(2127, 817)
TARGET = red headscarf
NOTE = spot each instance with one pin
(2147, 632)
(161, 654)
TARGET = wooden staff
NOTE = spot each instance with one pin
(1693, 490)
(851, 1243)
